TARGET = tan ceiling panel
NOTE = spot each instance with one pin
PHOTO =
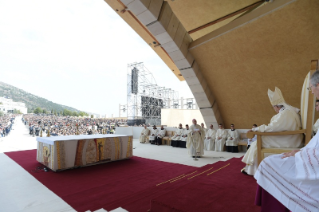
(195, 13)
(274, 50)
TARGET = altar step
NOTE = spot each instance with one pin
(115, 210)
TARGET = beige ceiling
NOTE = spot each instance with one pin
(195, 13)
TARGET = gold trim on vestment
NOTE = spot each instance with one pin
(52, 157)
(117, 148)
(129, 147)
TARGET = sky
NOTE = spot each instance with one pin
(75, 53)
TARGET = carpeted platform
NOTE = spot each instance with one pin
(133, 184)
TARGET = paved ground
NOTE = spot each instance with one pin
(21, 192)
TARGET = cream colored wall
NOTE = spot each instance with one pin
(173, 117)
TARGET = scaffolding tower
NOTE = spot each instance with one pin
(145, 98)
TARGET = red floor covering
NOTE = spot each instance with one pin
(133, 184)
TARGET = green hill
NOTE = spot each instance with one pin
(31, 101)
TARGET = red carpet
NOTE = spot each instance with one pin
(133, 184)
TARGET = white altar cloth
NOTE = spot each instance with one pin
(67, 152)
(52, 139)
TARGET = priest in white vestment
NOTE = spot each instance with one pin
(220, 140)
(177, 136)
(203, 127)
(195, 140)
(160, 134)
(293, 178)
(210, 137)
(144, 134)
(316, 125)
(286, 119)
(153, 134)
(183, 139)
(232, 139)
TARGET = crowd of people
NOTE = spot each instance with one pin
(69, 125)
(6, 122)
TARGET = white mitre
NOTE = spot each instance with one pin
(276, 97)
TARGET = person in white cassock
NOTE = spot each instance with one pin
(203, 127)
(160, 134)
(144, 134)
(251, 140)
(195, 140)
(292, 178)
(210, 137)
(177, 136)
(183, 139)
(316, 125)
(220, 140)
(153, 134)
(286, 119)
(232, 139)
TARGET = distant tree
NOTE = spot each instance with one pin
(81, 113)
(67, 112)
(45, 111)
(92, 116)
(37, 110)
(1, 113)
(75, 113)
(0, 103)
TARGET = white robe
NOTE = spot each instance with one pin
(293, 181)
(235, 136)
(316, 127)
(185, 133)
(195, 141)
(153, 132)
(144, 134)
(210, 140)
(219, 143)
(178, 134)
(285, 120)
(161, 133)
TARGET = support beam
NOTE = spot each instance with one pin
(245, 9)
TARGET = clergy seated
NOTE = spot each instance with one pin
(203, 127)
(144, 134)
(210, 139)
(232, 139)
(183, 139)
(153, 134)
(159, 136)
(290, 181)
(286, 119)
(177, 136)
(195, 140)
(220, 140)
